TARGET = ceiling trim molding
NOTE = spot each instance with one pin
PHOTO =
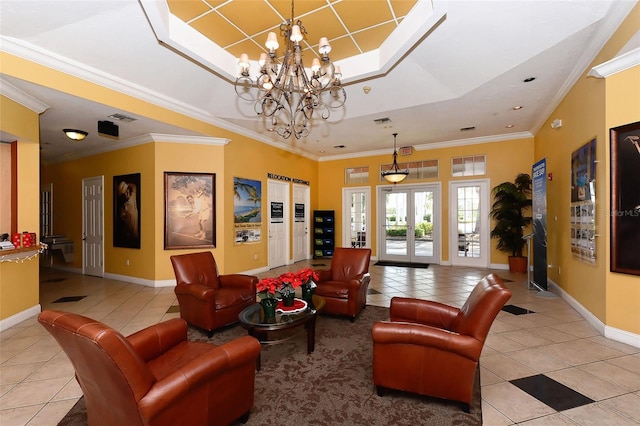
(192, 140)
(68, 66)
(59, 63)
(141, 140)
(435, 145)
(172, 31)
(12, 92)
(616, 65)
(604, 31)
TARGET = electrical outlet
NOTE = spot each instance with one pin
(255, 256)
(559, 270)
(126, 262)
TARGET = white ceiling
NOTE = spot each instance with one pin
(467, 72)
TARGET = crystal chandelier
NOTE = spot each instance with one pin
(394, 174)
(283, 92)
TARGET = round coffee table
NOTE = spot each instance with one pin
(252, 318)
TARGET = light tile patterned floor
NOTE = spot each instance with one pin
(37, 386)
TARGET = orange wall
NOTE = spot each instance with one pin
(591, 107)
(67, 205)
(19, 282)
(623, 291)
(249, 159)
(505, 160)
(239, 158)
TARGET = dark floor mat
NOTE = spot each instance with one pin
(402, 264)
(69, 299)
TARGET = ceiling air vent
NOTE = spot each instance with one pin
(466, 129)
(385, 120)
(122, 117)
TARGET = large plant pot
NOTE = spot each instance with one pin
(517, 264)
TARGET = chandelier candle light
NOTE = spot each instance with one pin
(284, 92)
(394, 174)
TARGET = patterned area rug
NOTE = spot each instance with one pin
(333, 385)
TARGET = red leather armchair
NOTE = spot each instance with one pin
(344, 286)
(433, 349)
(208, 300)
(156, 376)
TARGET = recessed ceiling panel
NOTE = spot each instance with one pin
(360, 26)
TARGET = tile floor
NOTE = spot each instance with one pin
(540, 345)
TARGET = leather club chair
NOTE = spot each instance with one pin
(207, 300)
(344, 286)
(156, 376)
(433, 349)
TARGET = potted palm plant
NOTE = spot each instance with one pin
(511, 201)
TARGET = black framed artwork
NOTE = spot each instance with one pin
(126, 214)
(625, 198)
(190, 210)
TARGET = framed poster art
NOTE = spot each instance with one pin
(190, 210)
(625, 198)
(126, 211)
(583, 199)
(247, 210)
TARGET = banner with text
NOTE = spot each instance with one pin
(539, 209)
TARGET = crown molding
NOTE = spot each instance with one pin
(141, 140)
(59, 63)
(12, 92)
(602, 34)
(435, 145)
(616, 65)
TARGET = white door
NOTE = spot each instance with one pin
(301, 237)
(409, 219)
(469, 223)
(356, 220)
(278, 214)
(93, 226)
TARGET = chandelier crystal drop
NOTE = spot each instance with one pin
(284, 92)
(394, 174)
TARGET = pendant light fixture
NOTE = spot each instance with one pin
(394, 174)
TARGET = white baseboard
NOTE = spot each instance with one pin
(502, 266)
(612, 333)
(256, 271)
(19, 317)
(141, 281)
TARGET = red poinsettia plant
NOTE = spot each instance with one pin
(284, 284)
(267, 288)
(306, 275)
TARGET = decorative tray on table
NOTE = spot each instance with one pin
(299, 305)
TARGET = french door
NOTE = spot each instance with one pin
(469, 223)
(409, 223)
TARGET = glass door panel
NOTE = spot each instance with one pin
(469, 243)
(423, 224)
(358, 219)
(468, 221)
(395, 224)
(409, 224)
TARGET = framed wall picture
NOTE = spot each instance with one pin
(247, 210)
(625, 198)
(583, 201)
(190, 210)
(126, 211)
